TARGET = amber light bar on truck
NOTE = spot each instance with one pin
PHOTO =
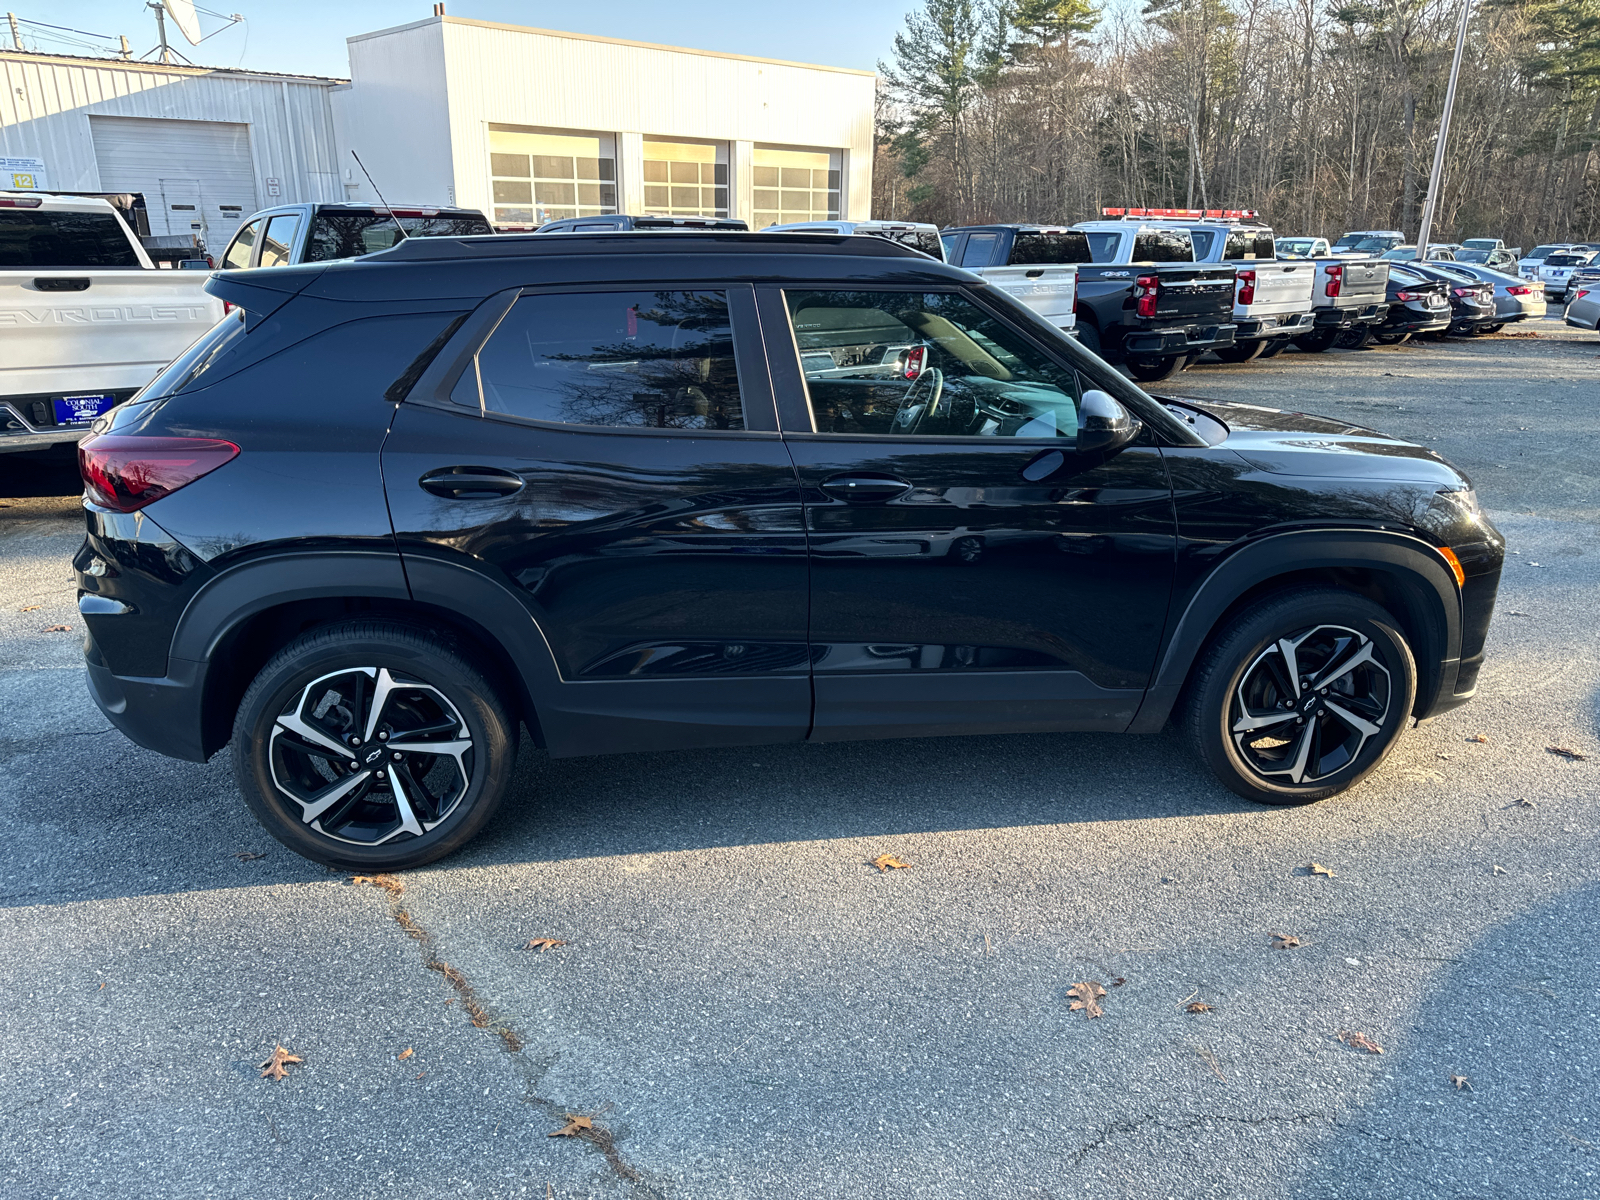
(1191, 214)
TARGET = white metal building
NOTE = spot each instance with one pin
(533, 124)
(206, 147)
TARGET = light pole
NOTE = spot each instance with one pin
(1431, 204)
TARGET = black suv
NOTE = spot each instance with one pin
(645, 493)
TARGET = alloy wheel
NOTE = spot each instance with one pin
(370, 755)
(1306, 705)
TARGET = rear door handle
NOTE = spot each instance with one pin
(865, 489)
(471, 483)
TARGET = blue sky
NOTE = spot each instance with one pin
(307, 36)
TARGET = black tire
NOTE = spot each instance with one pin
(1089, 336)
(1275, 347)
(1391, 339)
(1489, 328)
(1149, 369)
(1317, 340)
(426, 688)
(1241, 352)
(1357, 337)
(1240, 679)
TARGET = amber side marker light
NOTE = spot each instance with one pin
(1455, 565)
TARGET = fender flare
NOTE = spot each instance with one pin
(1411, 563)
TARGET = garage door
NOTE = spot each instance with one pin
(196, 176)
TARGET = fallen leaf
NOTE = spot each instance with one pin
(1317, 868)
(1515, 613)
(30, 608)
(1461, 1081)
(575, 1126)
(1197, 1006)
(1088, 995)
(1283, 941)
(273, 1068)
(1571, 755)
(888, 862)
(101, 988)
(1479, 738)
(1118, 981)
(420, 1074)
(543, 944)
(1360, 1041)
(247, 855)
(57, 629)
(404, 1054)
(386, 882)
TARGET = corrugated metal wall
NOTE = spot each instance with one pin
(46, 102)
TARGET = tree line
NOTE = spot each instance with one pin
(1323, 117)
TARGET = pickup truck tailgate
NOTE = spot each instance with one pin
(1201, 292)
(97, 328)
(1362, 281)
(1280, 287)
(1049, 290)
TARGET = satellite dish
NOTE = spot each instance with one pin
(183, 16)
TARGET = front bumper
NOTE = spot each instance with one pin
(1255, 329)
(1347, 318)
(1181, 339)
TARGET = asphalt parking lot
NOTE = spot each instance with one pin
(746, 1008)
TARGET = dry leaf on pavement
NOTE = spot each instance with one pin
(30, 608)
(1283, 941)
(1568, 753)
(1198, 1006)
(1088, 996)
(1360, 1041)
(57, 629)
(1461, 1081)
(247, 855)
(1479, 738)
(574, 1127)
(1317, 868)
(274, 1067)
(888, 862)
(404, 1054)
(543, 944)
(387, 882)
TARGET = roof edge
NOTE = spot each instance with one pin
(134, 64)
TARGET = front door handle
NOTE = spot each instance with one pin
(471, 483)
(865, 489)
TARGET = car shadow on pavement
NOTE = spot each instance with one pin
(1514, 1019)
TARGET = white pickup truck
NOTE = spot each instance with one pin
(1271, 299)
(86, 319)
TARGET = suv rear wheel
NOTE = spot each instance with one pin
(1302, 696)
(372, 746)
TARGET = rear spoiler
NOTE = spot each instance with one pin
(263, 291)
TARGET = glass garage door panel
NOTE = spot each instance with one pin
(795, 185)
(538, 177)
(685, 179)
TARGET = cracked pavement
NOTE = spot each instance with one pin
(748, 1009)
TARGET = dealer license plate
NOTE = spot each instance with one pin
(80, 410)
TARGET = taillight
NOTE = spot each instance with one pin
(1409, 295)
(1247, 287)
(1581, 295)
(228, 306)
(1466, 291)
(124, 473)
(1519, 290)
(1335, 281)
(1145, 290)
(916, 360)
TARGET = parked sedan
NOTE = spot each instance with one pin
(1437, 252)
(1416, 305)
(1472, 306)
(1514, 299)
(1498, 259)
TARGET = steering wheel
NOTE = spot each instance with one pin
(908, 417)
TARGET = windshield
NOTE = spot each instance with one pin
(1065, 246)
(341, 233)
(1472, 256)
(43, 240)
(1372, 243)
(1481, 244)
(1538, 253)
(1296, 245)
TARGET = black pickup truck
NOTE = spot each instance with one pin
(1142, 299)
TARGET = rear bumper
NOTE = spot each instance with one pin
(1182, 339)
(28, 422)
(1255, 329)
(1404, 320)
(161, 714)
(1347, 318)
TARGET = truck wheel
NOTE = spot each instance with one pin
(1089, 337)
(1357, 337)
(1241, 352)
(1276, 347)
(1149, 369)
(1301, 696)
(372, 746)
(1317, 340)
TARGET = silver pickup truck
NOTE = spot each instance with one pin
(1271, 298)
(1349, 295)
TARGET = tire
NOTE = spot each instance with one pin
(1357, 337)
(316, 690)
(1488, 329)
(1391, 339)
(1089, 337)
(1275, 347)
(1241, 352)
(1317, 340)
(1240, 677)
(1148, 369)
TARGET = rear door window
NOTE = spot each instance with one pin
(30, 238)
(1062, 246)
(277, 247)
(237, 256)
(634, 359)
(979, 250)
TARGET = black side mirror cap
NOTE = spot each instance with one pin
(1104, 426)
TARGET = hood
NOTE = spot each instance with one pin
(1292, 443)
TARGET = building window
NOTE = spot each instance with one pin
(539, 177)
(685, 179)
(795, 185)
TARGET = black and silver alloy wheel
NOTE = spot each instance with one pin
(1301, 696)
(1308, 704)
(373, 745)
(370, 755)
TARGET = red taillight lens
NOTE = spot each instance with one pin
(916, 360)
(1145, 290)
(1335, 282)
(1519, 290)
(125, 473)
(1247, 287)
(1581, 294)
(1466, 291)
(1408, 295)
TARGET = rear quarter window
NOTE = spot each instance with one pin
(1067, 246)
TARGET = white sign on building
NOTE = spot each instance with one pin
(22, 174)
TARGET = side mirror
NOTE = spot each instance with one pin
(1104, 426)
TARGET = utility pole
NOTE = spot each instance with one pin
(127, 50)
(1430, 206)
(16, 33)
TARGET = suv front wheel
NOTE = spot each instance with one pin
(372, 746)
(1301, 696)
